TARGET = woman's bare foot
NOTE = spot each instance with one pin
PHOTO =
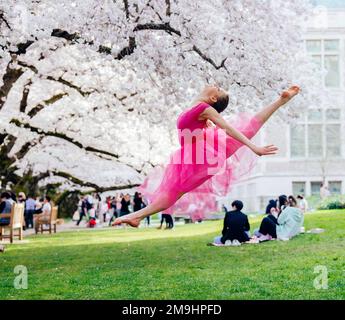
(288, 94)
(130, 219)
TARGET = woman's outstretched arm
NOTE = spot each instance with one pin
(211, 114)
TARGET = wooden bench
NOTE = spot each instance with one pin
(52, 222)
(16, 222)
(186, 218)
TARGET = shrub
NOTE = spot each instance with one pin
(334, 202)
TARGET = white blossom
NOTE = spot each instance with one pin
(88, 89)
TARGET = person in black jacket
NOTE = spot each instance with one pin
(236, 224)
(271, 209)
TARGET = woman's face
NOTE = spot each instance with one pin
(213, 93)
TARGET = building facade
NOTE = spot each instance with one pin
(312, 149)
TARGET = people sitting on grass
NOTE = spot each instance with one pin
(44, 217)
(289, 222)
(5, 208)
(236, 226)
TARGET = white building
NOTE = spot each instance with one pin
(312, 150)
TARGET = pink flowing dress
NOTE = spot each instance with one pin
(207, 165)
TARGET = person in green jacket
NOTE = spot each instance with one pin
(290, 221)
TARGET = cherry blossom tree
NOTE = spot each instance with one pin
(90, 90)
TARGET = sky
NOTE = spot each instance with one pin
(330, 3)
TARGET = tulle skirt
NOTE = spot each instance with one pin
(204, 168)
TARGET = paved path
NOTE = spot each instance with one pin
(71, 226)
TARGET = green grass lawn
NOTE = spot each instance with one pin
(177, 264)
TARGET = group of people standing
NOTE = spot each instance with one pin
(94, 208)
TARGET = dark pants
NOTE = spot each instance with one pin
(81, 215)
(115, 215)
(169, 222)
(4, 221)
(123, 213)
(268, 226)
(29, 218)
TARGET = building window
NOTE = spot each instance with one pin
(315, 188)
(332, 140)
(297, 133)
(317, 135)
(333, 114)
(334, 187)
(298, 188)
(314, 140)
(326, 55)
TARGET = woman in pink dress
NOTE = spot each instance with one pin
(209, 160)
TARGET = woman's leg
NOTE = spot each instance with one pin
(163, 202)
(81, 214)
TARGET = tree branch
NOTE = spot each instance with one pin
(160, 26)
(168, 8)
(127, 50)
(24, 100)
(71, 85)
(9, 78)
(7, 143)
(121, 99)
(2, 18)
(47, 102)
(22, 47)
(59, 33)
(26, 148)
(61, 136)
(24, 64)
(208, 59)
(60, 79)
(125, 3)
(247, 85)
(7, 171)
(79, 182)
